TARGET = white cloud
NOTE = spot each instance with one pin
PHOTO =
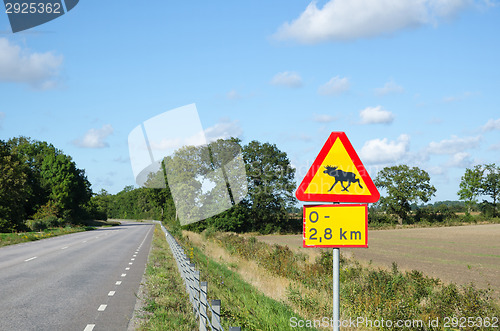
(376, 115)
(39, 70)
(492, 125)
(381, 151)
(453, 145)
(95, 138)
(388, 88)
(335, 86)
(223, 130)
(353, 19)
(288, 79)
(459, 160)
(323, 118)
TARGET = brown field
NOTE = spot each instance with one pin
(460, 254)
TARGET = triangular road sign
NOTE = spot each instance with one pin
(337, 175)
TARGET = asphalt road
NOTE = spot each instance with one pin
(83, 281)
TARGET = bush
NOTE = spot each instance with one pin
(48, 209)
(44, 223)
(6, 226)
(36, 225)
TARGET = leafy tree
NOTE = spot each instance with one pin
(206, 180)
(53, 178)
(14, 192)
(404, 185)
(99, 205)
(270, 185)
(471, 186)
(491, 184)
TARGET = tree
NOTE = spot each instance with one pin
(270, 184)
(53, 178)
(491, 184)
(404, 185)
(206, 180)
(14, 192)
(471, 186)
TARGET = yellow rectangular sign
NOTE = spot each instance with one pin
(336, 226)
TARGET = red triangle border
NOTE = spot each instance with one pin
(320, 197)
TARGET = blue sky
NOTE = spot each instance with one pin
(410, 82)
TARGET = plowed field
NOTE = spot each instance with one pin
(460, 254)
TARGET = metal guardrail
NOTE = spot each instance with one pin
(208, 314)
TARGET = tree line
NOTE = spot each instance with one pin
(42, 186)
(406, 186)
(265, 208)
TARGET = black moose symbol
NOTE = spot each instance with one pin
(341, 176)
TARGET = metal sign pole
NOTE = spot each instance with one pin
(336, 289)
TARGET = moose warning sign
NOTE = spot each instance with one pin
(337, 175)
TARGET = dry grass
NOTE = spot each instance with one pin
(270, 285)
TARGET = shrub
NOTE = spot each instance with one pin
(6, 226)
(44, 223)
(36, 225)
(48, 209)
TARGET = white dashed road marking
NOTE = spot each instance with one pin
(111, 293)
(118, 282)
(89, 327)
(123, 275)
(31, 258)
(102, 307)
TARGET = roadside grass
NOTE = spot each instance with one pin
(21, 237)
(366, 292)
(167, 306)
(17, 238)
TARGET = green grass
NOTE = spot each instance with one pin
(168, 308)
(21, 237)
(17, 238)
(167, 305)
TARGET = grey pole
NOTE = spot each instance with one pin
(336, 289)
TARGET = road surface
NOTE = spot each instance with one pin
(83, 281)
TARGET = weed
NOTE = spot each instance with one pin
(368, 292)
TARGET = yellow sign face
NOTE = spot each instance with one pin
(337, 163)
(335, 226)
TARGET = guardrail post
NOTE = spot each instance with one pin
(203, 306)
(234, 328)
(196, 288)
(216, 315)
